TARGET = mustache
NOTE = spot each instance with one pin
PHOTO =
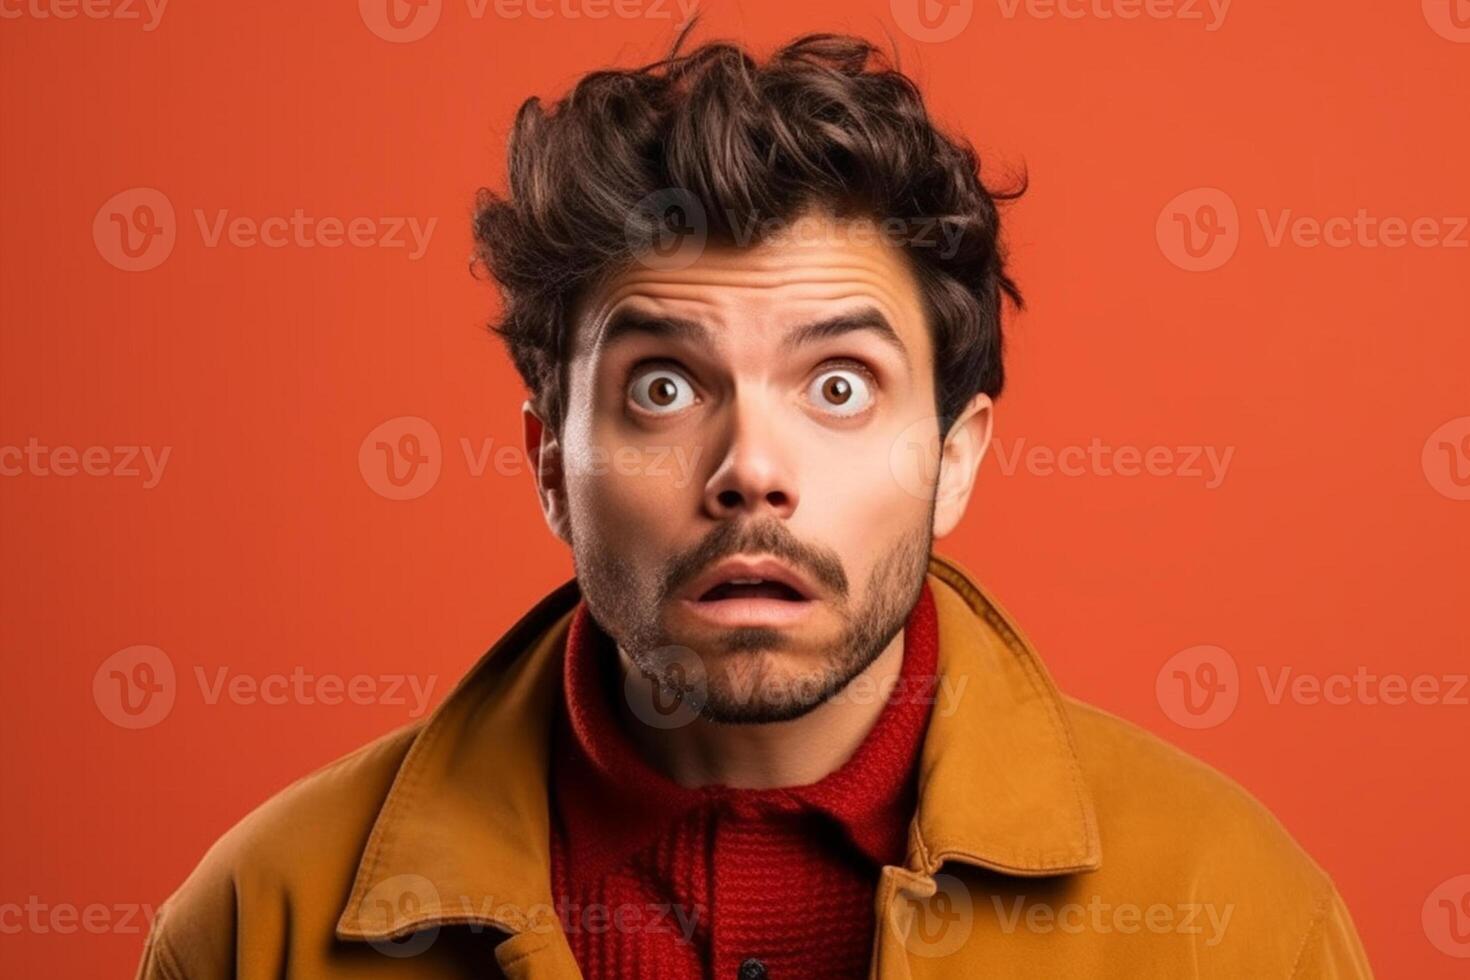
(767, 536)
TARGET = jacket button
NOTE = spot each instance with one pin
(752, 969)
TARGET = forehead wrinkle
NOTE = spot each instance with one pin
(774, 278)
(802, 287)
(717, 331)
(806, 274)
(616, 301)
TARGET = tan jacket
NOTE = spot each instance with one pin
(1050, 840)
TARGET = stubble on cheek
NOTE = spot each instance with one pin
(623, 596)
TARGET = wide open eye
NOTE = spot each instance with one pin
(840, 391)
(661, 390)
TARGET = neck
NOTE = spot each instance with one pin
(772, 754)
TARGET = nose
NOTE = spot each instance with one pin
(754, 478)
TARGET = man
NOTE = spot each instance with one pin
(765, 732)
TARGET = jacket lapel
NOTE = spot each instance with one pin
(1001, 786)
(464, 834)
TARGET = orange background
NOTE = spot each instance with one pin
(1331, 544)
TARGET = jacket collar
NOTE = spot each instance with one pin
(464, 833)
(1000, 783)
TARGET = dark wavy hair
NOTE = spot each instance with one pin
(826, 122)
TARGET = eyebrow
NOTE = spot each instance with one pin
(627, 323)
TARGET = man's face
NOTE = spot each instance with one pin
(736, 519)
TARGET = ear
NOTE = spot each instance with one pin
(959, 461)
(544, 452)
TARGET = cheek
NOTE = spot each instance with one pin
(633, 492)
(851, 499)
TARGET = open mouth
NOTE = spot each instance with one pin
(752, 589)
(747, 591)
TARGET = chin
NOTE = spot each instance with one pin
(767, 685)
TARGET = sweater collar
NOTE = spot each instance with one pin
(463, 835)
(611, 802)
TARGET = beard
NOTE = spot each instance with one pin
(755, 674)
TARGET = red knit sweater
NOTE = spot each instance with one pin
(656, 880)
